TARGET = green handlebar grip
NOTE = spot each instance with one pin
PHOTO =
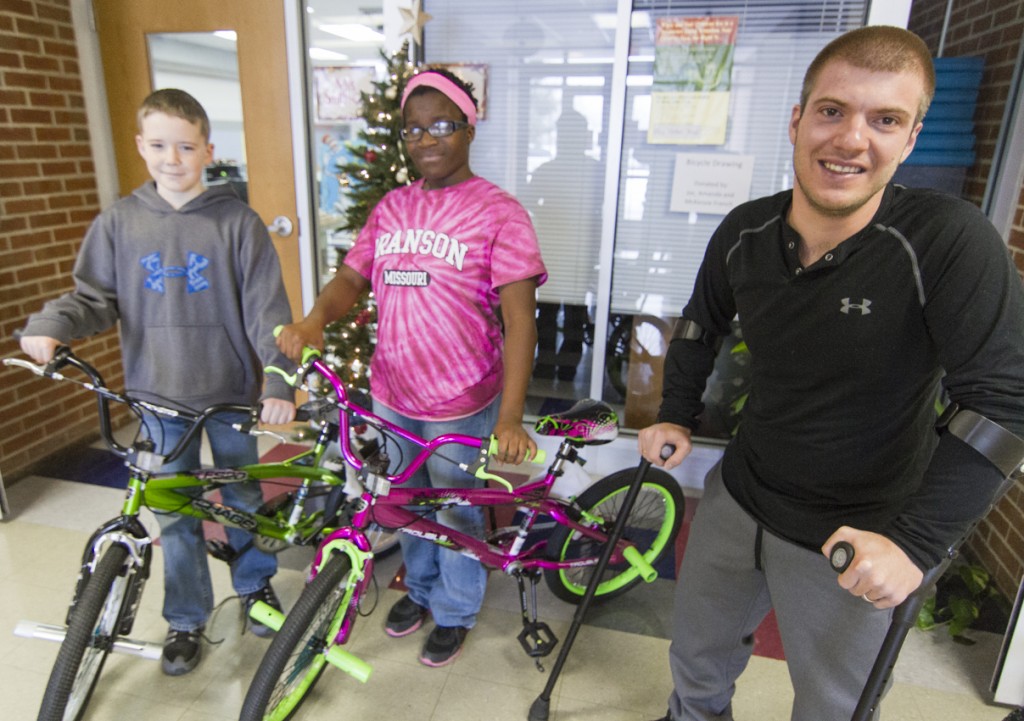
(267, 615)
(539, 457)
(277, 330)
(637, 561)
(354, 666)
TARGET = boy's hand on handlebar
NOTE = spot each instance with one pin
(276, 412)
(39, 348)
(653, 439)
(514, 443)
(880, 573)
(293, 338)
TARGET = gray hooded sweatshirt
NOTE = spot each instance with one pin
(197, 291)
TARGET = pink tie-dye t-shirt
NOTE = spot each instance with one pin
(435, 260)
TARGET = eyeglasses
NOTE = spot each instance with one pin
(440, 129)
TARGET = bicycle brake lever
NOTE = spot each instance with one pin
(27, 365)
(290, 378)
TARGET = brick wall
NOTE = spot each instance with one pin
(47, 199)
(993, 29)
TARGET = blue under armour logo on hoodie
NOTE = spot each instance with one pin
(195, 281)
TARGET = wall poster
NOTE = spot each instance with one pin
(692, 78)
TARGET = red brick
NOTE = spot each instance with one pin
(10, 60)
(37, 151)
(48, 100)
(52, 134)
(18, 7)
(59, 12)
(47, 220)
(31, 116)
(56, 47)
(24, 205)
(19, 43)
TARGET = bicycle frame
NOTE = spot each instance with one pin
(386, 503)
(182, 493)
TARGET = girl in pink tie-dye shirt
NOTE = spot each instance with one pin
(442, 255)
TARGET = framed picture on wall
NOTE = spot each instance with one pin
(337, 92)
(475, 74)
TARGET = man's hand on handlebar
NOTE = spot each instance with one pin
(653, 439)
(293, 338)
(277, 412)
(39, 348)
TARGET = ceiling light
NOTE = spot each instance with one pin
(355, 32)
(322, 54)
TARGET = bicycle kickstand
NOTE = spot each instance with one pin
(536, 638)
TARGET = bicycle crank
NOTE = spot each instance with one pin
(536, 638)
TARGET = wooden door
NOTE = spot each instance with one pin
(263, 75)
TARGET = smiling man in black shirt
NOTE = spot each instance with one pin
(857, 298)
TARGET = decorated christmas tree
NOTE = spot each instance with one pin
(378, 165)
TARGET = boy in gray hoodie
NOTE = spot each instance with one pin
(195, 282)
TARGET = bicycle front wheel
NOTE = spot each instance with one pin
(92, 629)
(295, 659)
(652, 526)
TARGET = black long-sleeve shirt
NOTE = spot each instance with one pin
(846, 357)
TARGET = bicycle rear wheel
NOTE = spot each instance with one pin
(652, 526)
(92, 629)
(295, 659)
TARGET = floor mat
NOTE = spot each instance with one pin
(85, 464)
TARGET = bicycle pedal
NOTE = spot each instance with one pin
(221, 550)
(537, 639)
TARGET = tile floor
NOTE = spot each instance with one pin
(617, 671)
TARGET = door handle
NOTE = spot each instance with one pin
(281, 225)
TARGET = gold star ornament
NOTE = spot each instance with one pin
(415, 19)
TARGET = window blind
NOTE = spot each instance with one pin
(550, 60)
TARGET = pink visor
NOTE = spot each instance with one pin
(446, 87)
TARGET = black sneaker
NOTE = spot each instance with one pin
(182, 651)
(267, 595)
(444, 644)
(404, 617)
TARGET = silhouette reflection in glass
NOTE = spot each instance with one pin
(564, 197)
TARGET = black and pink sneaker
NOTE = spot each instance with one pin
(444, 644)
(404, 617)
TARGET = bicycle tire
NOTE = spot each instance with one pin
(91, 631)
(653, 524)
(295, 660)
(616, 361)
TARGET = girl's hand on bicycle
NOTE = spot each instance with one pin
(276, 412)
(293, 338)
(514, 443)
(653, 439)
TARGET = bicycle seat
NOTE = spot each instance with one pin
(589, 422)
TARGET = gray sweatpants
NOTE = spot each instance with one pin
(831, 638)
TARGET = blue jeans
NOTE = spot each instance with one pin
(450, 584)
(188, 592)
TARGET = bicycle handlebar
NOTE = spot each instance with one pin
(312, 360)
(63, 356)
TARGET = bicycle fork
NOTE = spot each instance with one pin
(124, 531)
(361, 564)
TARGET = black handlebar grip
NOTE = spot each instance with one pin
(841, 556)
(666, 451)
